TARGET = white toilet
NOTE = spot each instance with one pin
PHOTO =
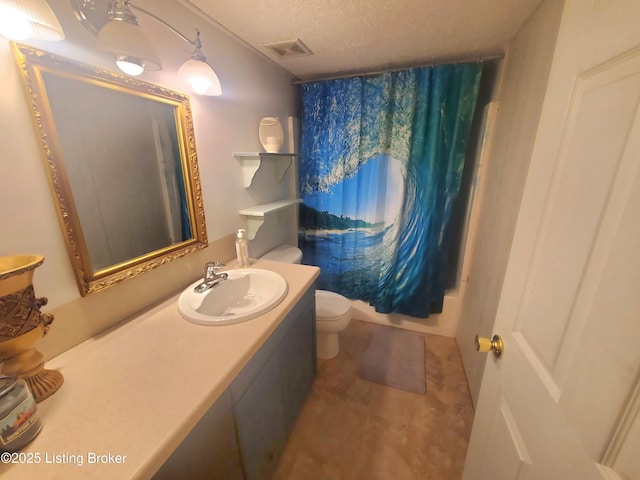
(333, 311)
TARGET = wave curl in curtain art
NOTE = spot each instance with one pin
(381, 163)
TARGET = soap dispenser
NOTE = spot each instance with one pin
(242, 248)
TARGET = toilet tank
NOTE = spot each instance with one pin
(285, 254)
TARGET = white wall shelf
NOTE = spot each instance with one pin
(256, 215)
(251, 162)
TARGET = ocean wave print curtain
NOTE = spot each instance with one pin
(380, 166)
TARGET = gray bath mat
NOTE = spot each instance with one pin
(395, 357)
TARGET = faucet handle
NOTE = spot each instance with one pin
(210, 269)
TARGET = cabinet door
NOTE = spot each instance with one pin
(210, 451)
(260, 422)
(296, 357)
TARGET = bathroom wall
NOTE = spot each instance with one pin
(253, 87)
(522, 88)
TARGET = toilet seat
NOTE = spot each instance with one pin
(331, 306)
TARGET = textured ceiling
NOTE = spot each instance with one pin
(355, 36)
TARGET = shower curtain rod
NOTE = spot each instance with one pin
(398, 69)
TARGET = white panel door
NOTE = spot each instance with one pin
(562, 402)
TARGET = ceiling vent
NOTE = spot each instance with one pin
(289, 48)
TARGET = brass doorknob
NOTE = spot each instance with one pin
(494, 345)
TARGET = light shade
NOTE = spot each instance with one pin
(29, 19)
(200, 76)
(128, 45)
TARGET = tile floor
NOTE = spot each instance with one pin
(354, 429)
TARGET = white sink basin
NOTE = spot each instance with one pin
(246, 293)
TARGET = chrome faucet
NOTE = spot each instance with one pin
(211, 277)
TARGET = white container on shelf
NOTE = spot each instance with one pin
(271, 134)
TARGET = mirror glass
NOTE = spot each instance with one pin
(122, 164)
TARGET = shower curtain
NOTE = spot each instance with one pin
(380, 166)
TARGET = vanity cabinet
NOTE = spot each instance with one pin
(269, 392)
(243, 435)
(210, 451)
(260, 422)
(297, 362)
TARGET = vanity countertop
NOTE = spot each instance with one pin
(132, 394)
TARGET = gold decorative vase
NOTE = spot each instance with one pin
(22, 325)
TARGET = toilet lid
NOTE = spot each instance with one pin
(285, 254)
(330, 304)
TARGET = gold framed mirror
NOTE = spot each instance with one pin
(122, 165)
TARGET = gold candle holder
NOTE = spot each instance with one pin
(22, 325)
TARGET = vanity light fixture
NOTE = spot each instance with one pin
(122, 38)
(29, 19)
(119, 34)
(198, 73)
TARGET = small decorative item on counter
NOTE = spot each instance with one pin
(242, 248)
(19, 419)
(271, 134)
(22, 326)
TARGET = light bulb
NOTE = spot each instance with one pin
(200, 77)
(14, 26)
(130, 66)
(22, 20)
(199, 85)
